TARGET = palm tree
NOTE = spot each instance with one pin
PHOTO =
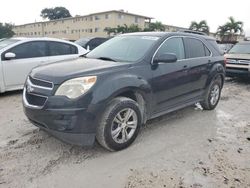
(199, 26)
(156, 26)
(222, 31)
(235, 27)
(230, 30)
(110, 30)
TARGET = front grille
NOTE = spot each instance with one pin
(41, 83)
(35, 100)
(244, 61)
(238, 61)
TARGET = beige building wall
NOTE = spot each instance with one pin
(82, 26)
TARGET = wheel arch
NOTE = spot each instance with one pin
(137, 95)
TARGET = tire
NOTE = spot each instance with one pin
(116, 131)
(212, 95)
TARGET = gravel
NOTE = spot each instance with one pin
(187, 148)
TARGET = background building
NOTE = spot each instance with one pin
(81, 26)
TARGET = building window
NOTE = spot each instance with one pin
(107, 16)
(35, 33)
(90, 18)
(120, 16)
(97, 29)
(136, 19)
(72, 31)
(97, 18)
(91, 30)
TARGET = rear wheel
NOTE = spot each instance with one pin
(212, 95)
(120, 124)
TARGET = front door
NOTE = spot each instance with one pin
(170, 80)
(28, 56)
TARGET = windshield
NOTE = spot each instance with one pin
(124, 48)
(7, 42)
(240, 49)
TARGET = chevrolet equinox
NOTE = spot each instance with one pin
(110, 92)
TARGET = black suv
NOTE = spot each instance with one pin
(114, 89)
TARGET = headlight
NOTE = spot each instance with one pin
(76, 87)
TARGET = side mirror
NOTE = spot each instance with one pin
(165, 58)
(9, 56)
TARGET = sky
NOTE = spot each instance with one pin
(175, 12)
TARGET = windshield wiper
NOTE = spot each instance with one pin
(84, 55)
(106, 59)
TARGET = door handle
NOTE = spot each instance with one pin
(185, 67)
(209, 62)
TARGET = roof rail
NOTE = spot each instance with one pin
(192, 31)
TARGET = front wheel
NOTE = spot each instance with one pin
(120, 124)
(212, 95)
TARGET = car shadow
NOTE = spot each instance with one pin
(11, 93)
(238, 80)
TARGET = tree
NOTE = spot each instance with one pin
(122, 29)
(229, 31)
(155, 26)
(110, 30)
(199, 26)
(55, 13)
(6, 30)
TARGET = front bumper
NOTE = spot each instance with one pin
(73, 125)
(237, 73)
(238, 70)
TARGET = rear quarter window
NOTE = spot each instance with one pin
(215, 46)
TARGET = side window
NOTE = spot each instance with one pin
(30, 50)
(173, 45)
(59, 48)
(196, 48)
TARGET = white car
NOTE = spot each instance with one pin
(20, 55)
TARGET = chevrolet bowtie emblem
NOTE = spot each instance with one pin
(30, 89)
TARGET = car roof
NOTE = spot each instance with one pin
(163, 34)
(40, 39)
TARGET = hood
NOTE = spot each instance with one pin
(238, 56)
(64, 70)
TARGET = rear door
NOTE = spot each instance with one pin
(61, 51)
(199, 62)
(28, 56)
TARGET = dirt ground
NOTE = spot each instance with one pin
(187, 148)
